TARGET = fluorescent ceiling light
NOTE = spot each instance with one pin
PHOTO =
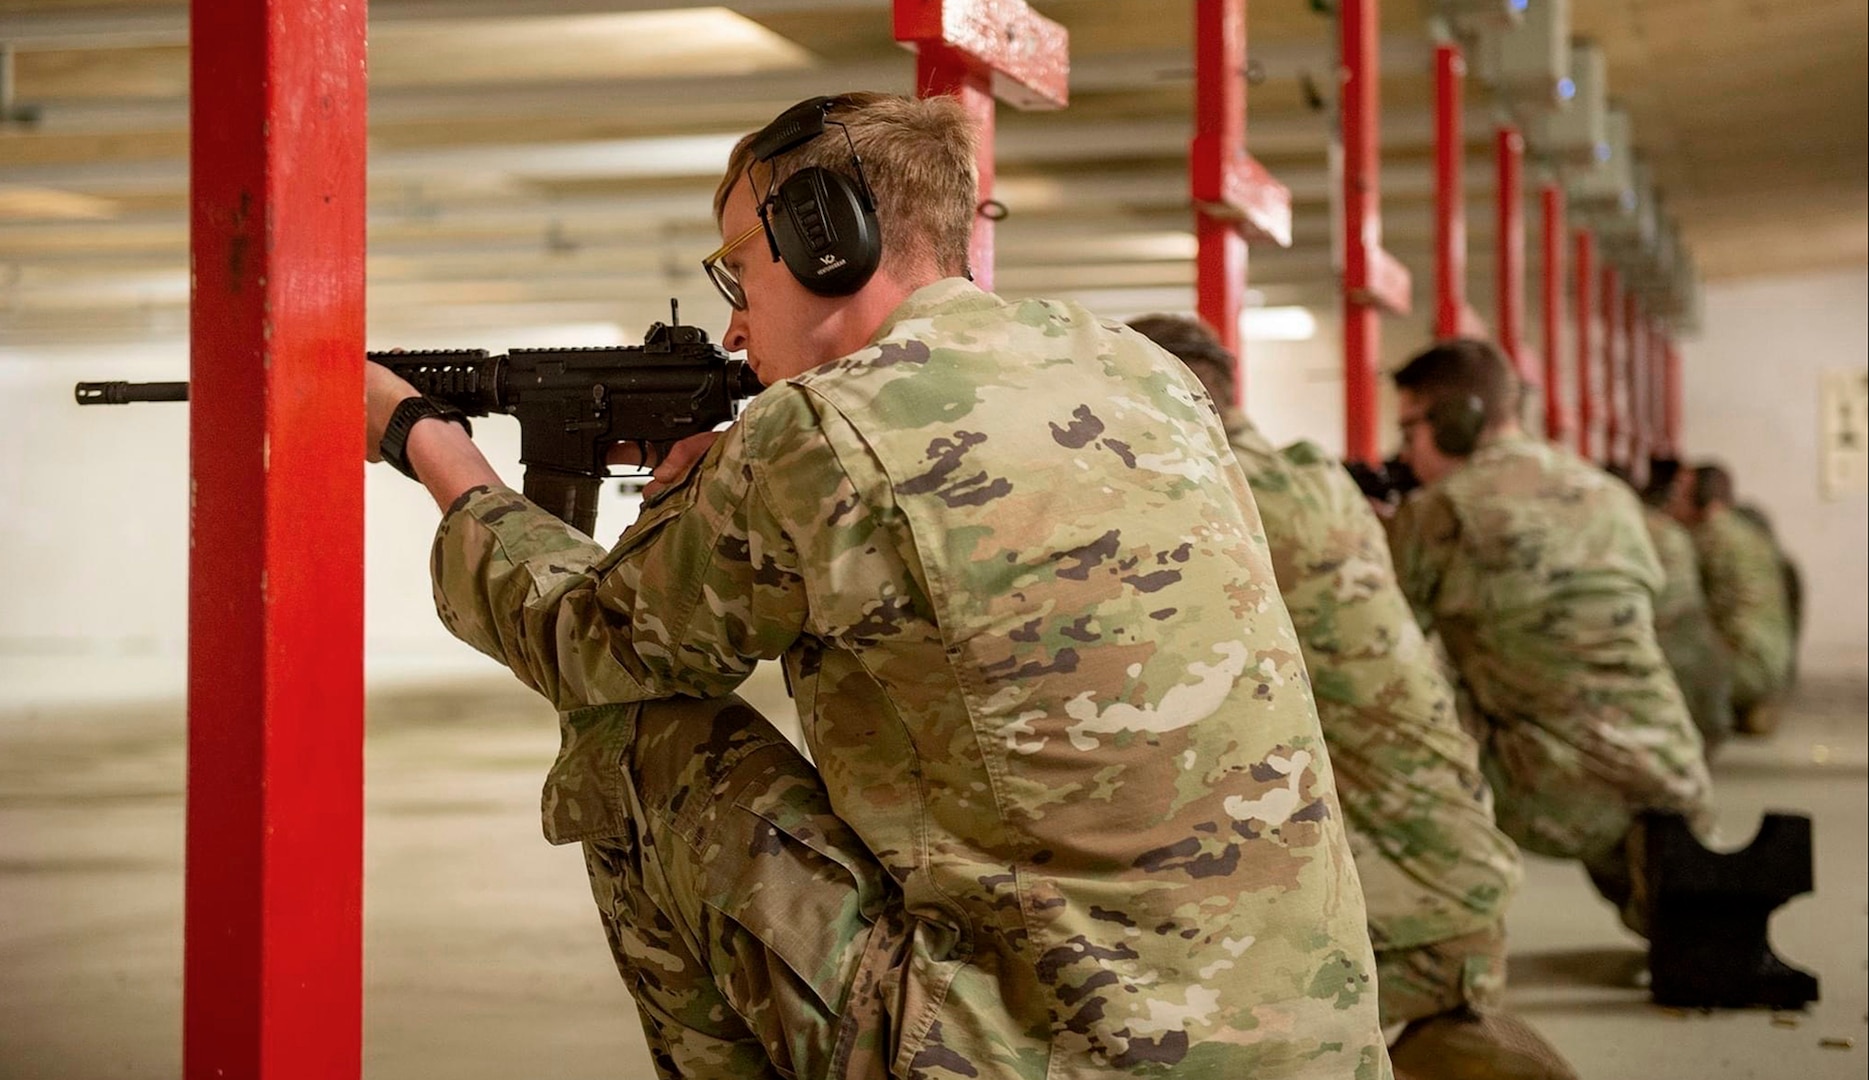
(1291, 323)
(27, 203)
(700, 42)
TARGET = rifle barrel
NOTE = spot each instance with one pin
(122, 393)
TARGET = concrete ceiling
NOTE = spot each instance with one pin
(556, 166)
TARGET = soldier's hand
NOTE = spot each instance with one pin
(383, 390)
(673, 466)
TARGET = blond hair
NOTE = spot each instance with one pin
(918, 156)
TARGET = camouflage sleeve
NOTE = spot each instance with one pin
(699, 589)
(1423, 537)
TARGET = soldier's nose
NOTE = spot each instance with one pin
(736, 337)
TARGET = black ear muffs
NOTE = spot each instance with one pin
(820, 223)
(1456, 424)
(825, 231)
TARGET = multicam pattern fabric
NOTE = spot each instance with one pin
(1746, 595)
(1030, 621)
(1436, 978)
(1684, 628)
(1537, 572)
(1433, 865)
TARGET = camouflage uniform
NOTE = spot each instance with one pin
(1535, 569)
(1437, 874)
(1702, 667)
(1072, 813)
(1746, 595)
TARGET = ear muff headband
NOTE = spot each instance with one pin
(1456, 424)
(820, 223)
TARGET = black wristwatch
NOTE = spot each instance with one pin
(395, 444)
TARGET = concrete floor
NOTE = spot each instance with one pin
(483, 957)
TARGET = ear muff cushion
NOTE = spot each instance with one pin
(1456, 424)
(825, 234)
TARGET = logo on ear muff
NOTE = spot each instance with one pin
(820, 223)
(1456, 424)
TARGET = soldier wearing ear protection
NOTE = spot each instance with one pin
(1069, 811)
(821, 224)
(1437, 873)
(1746, 587)
(1537, 571)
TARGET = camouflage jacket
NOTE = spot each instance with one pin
(1021, 595)
(1433, 865)
(1680, 596)
(1739, 565)
(1537, 571)
(1684, 627)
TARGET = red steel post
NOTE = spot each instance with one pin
(1219, 139)
(1658, 386)
(976, 50)
(1582, 296)
(1612, 375)
(1672, 381)
(1235, 199)
(1635, 371)
(1220, 286)
(1557, 419)
(1450, 195)
(1373, 281)
(272, 955)
(1509, 156)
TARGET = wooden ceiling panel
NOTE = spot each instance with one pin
(1753, 114)
(93, 74)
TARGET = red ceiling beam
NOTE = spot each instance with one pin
(1373, 281)
(272, 959)
(976, 50)
(1557, 418)
(1583, 270)
(1453, 316)
(1235, 198)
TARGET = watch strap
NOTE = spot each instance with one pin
(395, 444)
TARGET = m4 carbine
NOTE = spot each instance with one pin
(1388, 482)
(573, 405)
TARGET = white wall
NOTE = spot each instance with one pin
(1751, 400)
(95, 534)
(1294, 389)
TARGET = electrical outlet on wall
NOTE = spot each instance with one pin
(1844, 409)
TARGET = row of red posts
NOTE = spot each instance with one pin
(1624, 381)
(272, 957)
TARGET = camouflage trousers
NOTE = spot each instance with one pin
(758, 935)
(1761, 669)
(1441, 976)
(1704, 671)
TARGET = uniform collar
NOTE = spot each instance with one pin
(1505, 443)
(942, 297)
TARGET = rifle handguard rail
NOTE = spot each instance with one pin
(572, 404)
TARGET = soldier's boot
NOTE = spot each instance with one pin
(1476, 1045)
(1761, 719)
